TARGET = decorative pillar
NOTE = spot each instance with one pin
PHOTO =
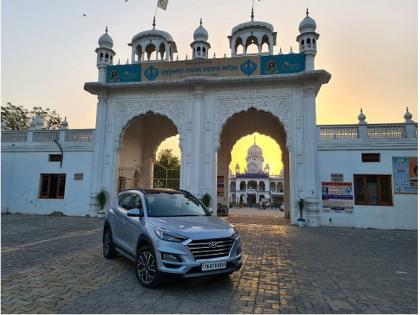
(311, 183)
(99, 145)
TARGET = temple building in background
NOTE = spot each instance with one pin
(354, 175)
(255, 185)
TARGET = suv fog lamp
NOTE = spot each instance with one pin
(170, 257)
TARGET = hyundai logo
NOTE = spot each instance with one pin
(212, 244)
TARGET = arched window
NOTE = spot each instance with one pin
(272, 186)
(242, 186)
(150, 49)
(198, 48)
(261, 186)
(162, 51)
(106, 56)
(251, 46)
(239, 47)
(265, 44)
(308, 41)
(279, 187)
(232, 186)
(101, 55)
(252, 185)
(204, 49)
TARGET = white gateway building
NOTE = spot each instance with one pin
(359, 175)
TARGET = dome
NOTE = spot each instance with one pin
(201, 34)
(308, 24)
(106, 40)
(254, 151)
(253, 25)
(154, 33)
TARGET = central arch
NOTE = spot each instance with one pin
(242, 124)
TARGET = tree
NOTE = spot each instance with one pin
(168, 160)
(18, 118)
(14, 117)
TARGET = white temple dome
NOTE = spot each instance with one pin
(106, 41)
(201, 34)
(308, 24)
(254, 151)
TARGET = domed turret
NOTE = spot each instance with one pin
(150, 42)
(362, 118)
(200, 46)
(408, 117)
(307, 40)
(308, 24)
(201, 34)
(252, 33)
(105, 55)
(105, 41)
(64, 124)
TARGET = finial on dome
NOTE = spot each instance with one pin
(201, 21)
(408, 116)
(362, 117)
(106, 29)
(252, 13)
(154, 22)
(307, 12)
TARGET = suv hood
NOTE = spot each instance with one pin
(195, 228)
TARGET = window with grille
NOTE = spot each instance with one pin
(373, 190)
(52, 186)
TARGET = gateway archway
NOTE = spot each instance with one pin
(240, 125)
(139, 141)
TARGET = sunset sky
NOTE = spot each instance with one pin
(369, 47)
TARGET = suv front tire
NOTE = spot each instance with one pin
(146, 268)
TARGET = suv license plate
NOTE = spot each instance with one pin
(213, 266)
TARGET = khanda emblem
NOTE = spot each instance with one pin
(248, 67)
(151, 73)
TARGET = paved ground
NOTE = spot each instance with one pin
(54, 265)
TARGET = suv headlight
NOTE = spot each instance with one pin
(235, 234)
(168, 236)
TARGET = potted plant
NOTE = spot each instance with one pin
(301, 220)
(101, 200)
(206, 200)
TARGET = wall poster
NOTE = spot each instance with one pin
(405, 174)
(337, 196)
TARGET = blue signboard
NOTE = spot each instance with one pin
(281, 64)
(123, 73)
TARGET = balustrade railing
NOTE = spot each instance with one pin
(338, 132)
(14, 136)
(368, 132)
(41, 136)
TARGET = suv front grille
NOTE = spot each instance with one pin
(206, 249)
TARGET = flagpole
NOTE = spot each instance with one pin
(154, 16)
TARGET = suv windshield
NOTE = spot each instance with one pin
(161, 204)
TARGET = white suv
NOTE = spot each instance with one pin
(169, 233)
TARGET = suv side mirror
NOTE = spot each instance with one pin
(135, 213)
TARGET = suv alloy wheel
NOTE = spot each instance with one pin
(146, 268)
